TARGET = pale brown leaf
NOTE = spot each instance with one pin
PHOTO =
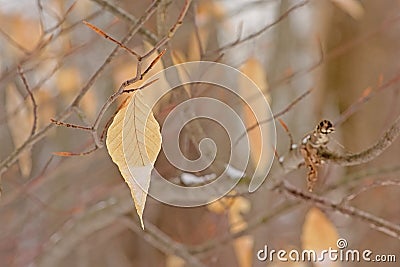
(133, 142)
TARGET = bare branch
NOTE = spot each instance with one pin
(35, 117)
(78, 228)
(119, 12)
(11, 159)
(368, 187)
(259, 32)
(276, 115)
(139, 88)
(365, 97)
(160, 240)
(374, 222)
(105, 35)
(70, 125)
(369, 154)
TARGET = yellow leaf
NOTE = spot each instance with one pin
(236, 206)
(47, 104)
(133, 142)
(20, 125)
(194, 48)
(244, 250)
(174, 261)
(240, 206)
(351, 7)
(318, 234)
(178, 57)
(68, 81)
(207, 10)
(255, 71)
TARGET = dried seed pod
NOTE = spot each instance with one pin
(310, 144)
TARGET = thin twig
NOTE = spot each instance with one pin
(117, 11)
(286, 129)
(160, 240)
(14, 42)
(11, 159)
(139, 74)
(364, 98)
(79, 227)
(259, 32)
(141, 87)
(105, 35)
(26, 85)
(370, 186)
(276, 115)
(71, 125)
(72, 154)
(299, 73)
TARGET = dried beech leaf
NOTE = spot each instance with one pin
(20, 124)
(133, 142)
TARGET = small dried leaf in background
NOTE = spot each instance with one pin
(236, 207)
(20, 124)
(351, 7)
(319, 234)
(133, 142)
(174, 261)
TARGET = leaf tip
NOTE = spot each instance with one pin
(141, 221)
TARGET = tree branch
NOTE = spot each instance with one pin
(369, 154)
(375, 222)
(160, 240)
(119, 12)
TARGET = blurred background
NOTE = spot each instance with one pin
(77, 210)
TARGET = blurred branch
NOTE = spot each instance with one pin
(80, 227)
(370, 186)
(163, 242)
(14, 42)
(369, 154)
(162, 17)
(259, 32)
(276, 115)
(119, 12)
(375, 222)
(251, 225)
(365, 97)
(11, 159)
(25, 82)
